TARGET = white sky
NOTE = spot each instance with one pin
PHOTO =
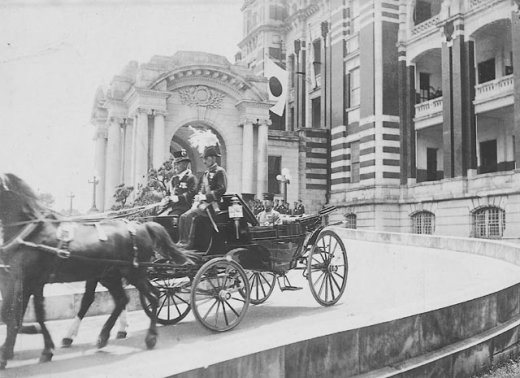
(52, 59)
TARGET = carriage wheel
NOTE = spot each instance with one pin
(327, 268)
(261, 285)
(216, 294)
(174, 300)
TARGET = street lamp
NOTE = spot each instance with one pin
(94, 181)
(285, 179)
(71, 197)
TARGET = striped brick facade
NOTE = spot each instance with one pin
(396, 145)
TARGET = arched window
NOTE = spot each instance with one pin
(351, 221)
(423, 222)
(489, 222)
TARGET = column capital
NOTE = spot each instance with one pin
(101, 132)
(143, 110)
(159, 112)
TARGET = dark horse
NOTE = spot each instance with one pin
(33, 257)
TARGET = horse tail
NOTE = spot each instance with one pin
(165, 245)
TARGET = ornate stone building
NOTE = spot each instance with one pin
(147, 110)
(418, 102)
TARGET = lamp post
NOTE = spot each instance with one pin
(94, 181)
(285, 179)
(71, 197)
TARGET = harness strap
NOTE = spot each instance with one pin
(15, 242)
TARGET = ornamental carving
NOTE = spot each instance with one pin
(201, 96)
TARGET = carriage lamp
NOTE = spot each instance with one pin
(236, 212)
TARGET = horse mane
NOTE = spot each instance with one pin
(20, 187)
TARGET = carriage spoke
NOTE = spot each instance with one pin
(238, 299)
(321, 287)
(317, 280)
(182, 300)
(225, 314)
(216, 313)
(265, 279)
(326, 288)
(176, 307)
(232, 309)
(331, 287)
(335, 282)
(162, 305)
(210, 308)
(339, 275)
(257, 284)
(262, 287)
(169, 305)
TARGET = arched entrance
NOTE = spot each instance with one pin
(181, 140)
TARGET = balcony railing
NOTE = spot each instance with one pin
(425, 25)
(496, 88)
(428, 108)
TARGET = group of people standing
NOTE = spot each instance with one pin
(191, 199)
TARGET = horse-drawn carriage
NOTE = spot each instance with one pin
(239, 262)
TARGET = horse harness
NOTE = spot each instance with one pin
(65, 234)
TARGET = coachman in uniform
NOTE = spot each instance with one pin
(182, 186)
(211, 188)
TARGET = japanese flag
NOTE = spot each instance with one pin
(278, 82)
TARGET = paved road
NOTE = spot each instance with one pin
(385, 282)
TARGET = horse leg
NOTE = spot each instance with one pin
(121, 300)
(39, 310)
(86, 302)
(144, 287)
(123, 325)
(13, 309)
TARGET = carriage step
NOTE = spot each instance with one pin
(290, 288)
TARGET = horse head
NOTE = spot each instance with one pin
(18, 202)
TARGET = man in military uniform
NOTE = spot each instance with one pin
(182, 186)
(269, 216)
(211, 188)
(300, 209)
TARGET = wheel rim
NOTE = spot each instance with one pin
(174, 300)
(327, 269)
(261, 284)
(220, 295)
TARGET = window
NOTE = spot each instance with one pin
(316, 112)
(354, 88)
(486, 71)
(424, 86)
(351, 221)
(489, 222)
(488, 156)
(354, 156)
(423, 222)
(274, 163)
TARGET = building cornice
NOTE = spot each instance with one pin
(261, 28)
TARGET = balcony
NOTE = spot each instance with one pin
(494, 94)
(425, 26)
(428, 113)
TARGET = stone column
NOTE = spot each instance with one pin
(247, 157)
(113, 161)
(100, 165)
(126, 158)
(158, 139)
(262, 167)
(140, 148)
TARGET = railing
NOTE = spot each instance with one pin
(428, 108)
(425, 25)
(491, 89)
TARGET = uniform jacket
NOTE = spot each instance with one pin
(269, 218)
(185, 187)
(213, 183)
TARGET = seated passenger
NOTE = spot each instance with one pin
(211, 188)
(182, 187)
(269, 216)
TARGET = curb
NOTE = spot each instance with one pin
(66, 305)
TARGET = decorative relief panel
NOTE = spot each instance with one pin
(201, 96)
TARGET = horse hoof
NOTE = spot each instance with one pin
(151, 340)
(102, 341)
(46, 357)
(121, 335)
(66, 342)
